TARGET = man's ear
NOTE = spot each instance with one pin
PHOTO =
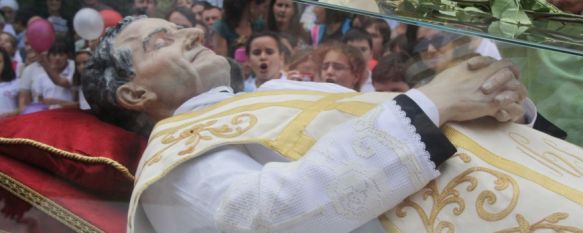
(134, 97)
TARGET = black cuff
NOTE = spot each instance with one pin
(438, 146)
(544, 125)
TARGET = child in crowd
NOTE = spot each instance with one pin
(265, 57)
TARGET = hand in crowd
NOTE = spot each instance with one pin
(476, 88)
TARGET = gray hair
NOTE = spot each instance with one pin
(107, 70)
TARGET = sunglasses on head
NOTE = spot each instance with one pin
(437, 41)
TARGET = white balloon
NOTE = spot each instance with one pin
(88, 23)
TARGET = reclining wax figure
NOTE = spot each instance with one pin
(310, 158)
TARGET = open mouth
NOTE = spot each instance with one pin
(263, 68)
(328, 80)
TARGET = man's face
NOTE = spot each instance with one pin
(211, 16)
(265, 58)
(336, 68)
(171, 62)
(148, 6)
(364, 48)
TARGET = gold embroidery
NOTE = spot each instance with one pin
(548, 223)
(68, 155)
(464, 157)
(451, 195)
(555, 160)
(204, 131)
(46, 205)
(462, 141)
(388, 225)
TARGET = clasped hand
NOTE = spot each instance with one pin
(478, 87)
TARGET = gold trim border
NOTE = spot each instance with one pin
(46, 205)
(69, 155)
(458, 138)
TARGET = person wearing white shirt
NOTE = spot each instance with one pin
(146, 70)
(266, 59)
(54, 86)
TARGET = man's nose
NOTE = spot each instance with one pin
(191, 37)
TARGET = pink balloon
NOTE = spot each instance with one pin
(40, 35)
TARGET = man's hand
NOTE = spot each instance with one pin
(475, 88)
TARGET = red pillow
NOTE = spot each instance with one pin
(76, 146)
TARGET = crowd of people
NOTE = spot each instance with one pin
(278, 39)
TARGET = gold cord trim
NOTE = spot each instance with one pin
(461, 140)
(73, 156)
(46, 205)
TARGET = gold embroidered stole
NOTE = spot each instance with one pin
(504, 178)
(287, 122)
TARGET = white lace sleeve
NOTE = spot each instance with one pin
(349, 177)
(353, 174)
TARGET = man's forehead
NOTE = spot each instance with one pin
(136, 31)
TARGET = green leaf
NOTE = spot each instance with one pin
(508, 30)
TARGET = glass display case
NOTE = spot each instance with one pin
(67, 170)
(544, 41)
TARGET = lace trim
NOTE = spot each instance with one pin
(414, 138)
(68, 155)
(46, 205)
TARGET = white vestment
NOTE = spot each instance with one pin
(230, 188)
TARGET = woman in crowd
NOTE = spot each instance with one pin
(265, 57)
(237, 24)
(8, 43)
(284, 18)
(342, 64)
(330, 25)
(8, 86)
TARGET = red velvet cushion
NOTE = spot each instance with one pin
(76, 146)
(35, 201)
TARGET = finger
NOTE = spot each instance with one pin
(497, 81)
(518, 87)
(506, 98)
(513, 112)
(502, 116)
(516, 70)
(479, 62)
